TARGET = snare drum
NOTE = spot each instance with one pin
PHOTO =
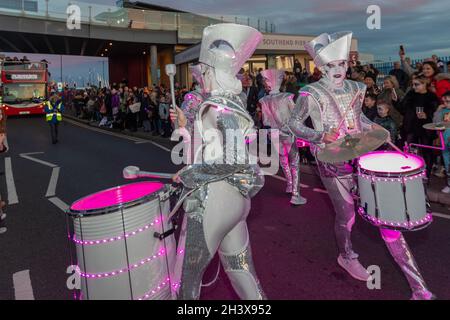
(391, 190)
(119, 254)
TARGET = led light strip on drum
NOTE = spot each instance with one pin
(127, 235)
(410, 224)
(159, 288)
(121, 271)
(417, 176)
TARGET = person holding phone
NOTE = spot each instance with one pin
(402, 76)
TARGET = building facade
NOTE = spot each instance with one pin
(279, 51)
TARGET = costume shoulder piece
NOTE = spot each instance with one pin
(355, 85)
(313, 90)
(228, 103)
(284, 95)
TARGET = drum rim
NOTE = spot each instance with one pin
(380, 174)
(111, 209)
(383, 174)
(365, 216)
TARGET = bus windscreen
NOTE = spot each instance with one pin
(17, 93)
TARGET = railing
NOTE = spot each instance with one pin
(385, 67)
(189, 26)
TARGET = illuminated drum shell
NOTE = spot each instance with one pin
(119, 258)
(397, 192)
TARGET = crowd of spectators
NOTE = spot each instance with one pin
(125, 108)
(409, 97)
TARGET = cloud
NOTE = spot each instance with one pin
(418, 24)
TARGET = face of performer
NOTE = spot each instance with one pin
(208, 78)
(336, 71)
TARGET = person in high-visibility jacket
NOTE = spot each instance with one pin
(53, 109)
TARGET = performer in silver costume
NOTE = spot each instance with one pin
(276, 111)
(223, 182)
(191, 103)
(327, 102)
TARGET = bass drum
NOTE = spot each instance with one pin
(120, 245)
(391, 190)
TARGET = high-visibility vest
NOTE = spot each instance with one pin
(49, 116)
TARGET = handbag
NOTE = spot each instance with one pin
(135, 107)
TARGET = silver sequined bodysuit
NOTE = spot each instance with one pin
(276, 111)
(216, 211)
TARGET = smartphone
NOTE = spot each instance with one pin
(394, 94)
(402, 49)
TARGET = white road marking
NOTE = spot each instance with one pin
(10, 185)
(45, 163)
(117, 135)
(59, 203)
(441, 215)
(22, 285)
(320, 190)
(51, 190)
(159, 146)
(155, 144)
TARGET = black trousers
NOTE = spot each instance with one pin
(54, 131)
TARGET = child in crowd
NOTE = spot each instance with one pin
(370, 106)
(385, 120)
(441, 115)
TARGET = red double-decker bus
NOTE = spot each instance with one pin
(23, 87)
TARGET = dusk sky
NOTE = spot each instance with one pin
(420, 25)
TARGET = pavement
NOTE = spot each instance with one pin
(293, 247)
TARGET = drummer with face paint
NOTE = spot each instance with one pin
(334, 105)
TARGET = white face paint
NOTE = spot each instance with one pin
(208, 78)
(335, 72)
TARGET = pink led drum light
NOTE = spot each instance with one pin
(127, 235)
(411, 224)
(159, 288)
(116, 196)
(390, 162)
(161, 253)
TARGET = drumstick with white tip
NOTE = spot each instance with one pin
(132, 172)
(397, 148)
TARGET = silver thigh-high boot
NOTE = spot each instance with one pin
(213, 212)
(236, 256)
(343, 204)
(400, 251)
(196, 254)
(284, 151)
(294, 164)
